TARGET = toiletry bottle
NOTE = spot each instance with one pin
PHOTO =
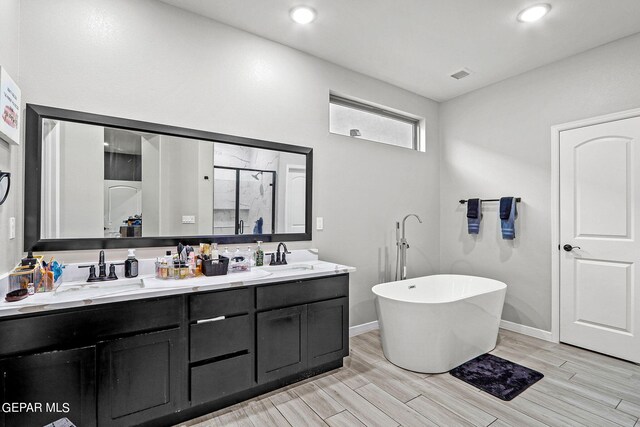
(259, 255)
(226, 253)
(250, 255)
(192, 264)
(168, 259)
(131, 264)
(214, 251)
(29, 260)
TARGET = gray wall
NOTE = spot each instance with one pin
(10, 155)
(148, 61)
(496, 142)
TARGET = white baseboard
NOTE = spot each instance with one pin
(527, 330)
(361, 329)
(504, 324)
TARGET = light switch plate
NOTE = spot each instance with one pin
(319, 223)
(12, 228)
(188, 219)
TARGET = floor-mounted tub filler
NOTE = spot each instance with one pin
(434, 323)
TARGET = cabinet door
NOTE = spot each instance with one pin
(282, 342)
(63, 383)
(139, 378)
(328, 335)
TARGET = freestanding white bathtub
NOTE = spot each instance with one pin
(434, 323)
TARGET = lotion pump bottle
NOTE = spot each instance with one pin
(131, 264)
(259, 255)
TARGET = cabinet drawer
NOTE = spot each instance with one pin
(301, 292)
(219, 379)
(223, 303)
(86, 326)
(213, 339)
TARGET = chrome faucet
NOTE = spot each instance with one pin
(402, 246)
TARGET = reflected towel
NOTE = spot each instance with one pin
(474, 215)
(257, 228)
(508, 224)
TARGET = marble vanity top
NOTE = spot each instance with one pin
(82, 294)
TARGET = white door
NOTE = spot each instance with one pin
(599, 213)
(123, 200)
(294, 217)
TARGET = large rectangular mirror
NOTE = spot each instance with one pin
(103, 182)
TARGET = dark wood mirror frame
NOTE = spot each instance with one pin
(35, 114)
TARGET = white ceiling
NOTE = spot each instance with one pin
(418, 44)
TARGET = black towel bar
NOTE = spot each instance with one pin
(518, 200)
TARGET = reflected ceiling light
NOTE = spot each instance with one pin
(533, 13)
(303, 14)
(106, 144)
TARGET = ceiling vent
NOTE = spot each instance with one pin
(461, 74)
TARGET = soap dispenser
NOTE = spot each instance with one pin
(131, 264)
(259, 255)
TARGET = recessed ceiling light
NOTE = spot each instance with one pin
(533, 13)
(303, 14)
(106, 144)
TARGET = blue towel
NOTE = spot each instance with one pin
(472, 208)
(257, 228)
(505, 207)
(474, 215)
(508, 225)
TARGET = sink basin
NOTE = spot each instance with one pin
(289, 267)
(255, 273)
(95, 289)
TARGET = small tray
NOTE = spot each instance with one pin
(16, 295)
(215, 268)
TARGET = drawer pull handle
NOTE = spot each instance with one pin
(213, 319)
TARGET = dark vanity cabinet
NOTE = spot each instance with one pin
(160, 361)
(301, 325)
(114, 364)
(62, 382)
(282, 342)
(138, 378)
(327, 338)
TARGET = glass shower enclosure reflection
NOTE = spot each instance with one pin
(243, 201)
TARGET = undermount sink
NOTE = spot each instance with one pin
(289, 267)
(254, 274)
(89, 289)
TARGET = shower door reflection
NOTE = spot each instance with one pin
(244, 201)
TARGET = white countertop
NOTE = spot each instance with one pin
(82, 294)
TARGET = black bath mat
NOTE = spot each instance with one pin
(498, 377)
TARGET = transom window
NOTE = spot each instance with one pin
(358, 120)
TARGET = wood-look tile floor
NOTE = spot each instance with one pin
(580, 388)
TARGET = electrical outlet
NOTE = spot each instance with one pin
(188, 219)
(12, 228)
(319, 223)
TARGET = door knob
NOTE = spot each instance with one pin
(569, 248)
